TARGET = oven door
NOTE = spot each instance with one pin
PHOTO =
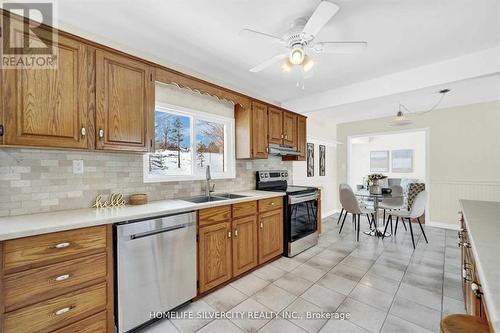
(302, 215)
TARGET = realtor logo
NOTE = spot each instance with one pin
(28, 36)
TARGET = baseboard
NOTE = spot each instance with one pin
(330, 213)
(442, 225)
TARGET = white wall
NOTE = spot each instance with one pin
(320, 133)
(359, 164)
(464, 154)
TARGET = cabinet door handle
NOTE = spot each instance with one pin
(229, 234)
(282, 136)
(101, 133)
(272, 203)
(235, 232)
(286, 136)
(62, 245)
(83, 131)
(64, 310)
(63, 277)
(261, 225)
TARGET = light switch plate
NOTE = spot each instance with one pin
(77, 167)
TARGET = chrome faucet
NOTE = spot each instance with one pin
(209, 188)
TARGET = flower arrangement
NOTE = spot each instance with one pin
(375, 177)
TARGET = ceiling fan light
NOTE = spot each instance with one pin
(286, 66)
(308, 64)
(296, 55)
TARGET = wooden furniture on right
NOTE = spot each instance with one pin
(461, 323)
(471, 285)
(234, 239)
(58, 282)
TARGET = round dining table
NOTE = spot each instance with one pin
(377, 198)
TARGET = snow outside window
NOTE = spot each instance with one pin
(186, 141)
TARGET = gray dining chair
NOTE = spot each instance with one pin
(393, 203)
(351, 205)
(417, 210)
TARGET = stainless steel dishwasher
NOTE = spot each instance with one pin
(155, 267)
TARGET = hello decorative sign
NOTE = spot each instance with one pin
(114, 200)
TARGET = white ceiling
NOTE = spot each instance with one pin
(477, 90)
(415, 47)
(201, 37)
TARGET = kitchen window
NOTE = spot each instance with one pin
(186, 141)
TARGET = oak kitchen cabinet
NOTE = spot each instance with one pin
(282, 127)
(270, 228)
(302, 137)
(48, 107)
(230, 242)
(251, 127)
(58, 282)
(275, 125)
(124, 89)
(290, 129)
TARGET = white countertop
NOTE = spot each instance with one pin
(482, 220)
(42, 223)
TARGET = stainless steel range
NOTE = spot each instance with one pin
(300, 210)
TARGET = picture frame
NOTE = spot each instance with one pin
(322, 160)
(402, 160)
(310, 159)
(379, 161)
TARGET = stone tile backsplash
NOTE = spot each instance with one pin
(35, 180)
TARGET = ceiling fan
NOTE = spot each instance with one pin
(300, 39)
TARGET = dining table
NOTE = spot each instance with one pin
(377, 198)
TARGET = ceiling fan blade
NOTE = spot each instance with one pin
(340, 47)
(268, 62)
(260, 36)
(323, 13)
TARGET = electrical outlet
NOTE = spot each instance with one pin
(77, 167)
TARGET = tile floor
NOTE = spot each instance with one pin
(385, 285)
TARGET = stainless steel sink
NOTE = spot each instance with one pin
(214, 197)
(229, 196)
(203, 198)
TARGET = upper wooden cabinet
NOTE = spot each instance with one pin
(259, 130)
(48, 107)
(301, 137)
(251, 131)
(124, 89)
(282, 127)
(275, 125)
(290, 129)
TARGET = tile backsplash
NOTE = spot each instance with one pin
(35, 180)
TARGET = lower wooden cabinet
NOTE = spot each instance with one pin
(58, 282)
(244, 244)
(270, 235)
(214, 255)
(471, 284)
(229, 246)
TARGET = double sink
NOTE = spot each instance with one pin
(214, 197)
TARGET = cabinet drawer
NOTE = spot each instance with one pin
(57, 312)
(270, 204)
(214, 215)
(93, 324)
(244, 209)
(36, 251)
(39, 284)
